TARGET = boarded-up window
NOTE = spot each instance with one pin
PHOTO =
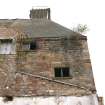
(25, 46)
(6, 46)
(62, 71)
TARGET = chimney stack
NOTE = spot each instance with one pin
(40, 13)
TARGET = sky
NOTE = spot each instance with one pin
(69, 13)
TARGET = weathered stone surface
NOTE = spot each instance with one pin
(50, 53)
(46, 63)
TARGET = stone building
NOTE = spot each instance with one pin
(42, 62)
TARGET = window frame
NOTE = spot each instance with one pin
(61, 70)
(28, 46)
(9, 47)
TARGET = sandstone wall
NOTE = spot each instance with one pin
(50, 53)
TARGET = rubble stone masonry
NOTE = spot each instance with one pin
(50, 53)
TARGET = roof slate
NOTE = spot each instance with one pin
(37, 27)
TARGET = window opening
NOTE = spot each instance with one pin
(62, 72)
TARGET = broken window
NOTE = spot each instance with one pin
(6, 46)
(62, 72)
(29, 46)
(32, 45)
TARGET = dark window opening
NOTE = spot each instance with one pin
(62, 72)
(8, 98)
(6, 40)
(28, 46)
(33, 46)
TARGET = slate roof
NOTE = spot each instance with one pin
(37, 27)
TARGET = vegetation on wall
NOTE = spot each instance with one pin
(80, 28)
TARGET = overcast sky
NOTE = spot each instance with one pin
(70, 13)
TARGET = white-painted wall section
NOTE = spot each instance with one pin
(52, 100)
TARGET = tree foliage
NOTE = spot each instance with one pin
(80, 28)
